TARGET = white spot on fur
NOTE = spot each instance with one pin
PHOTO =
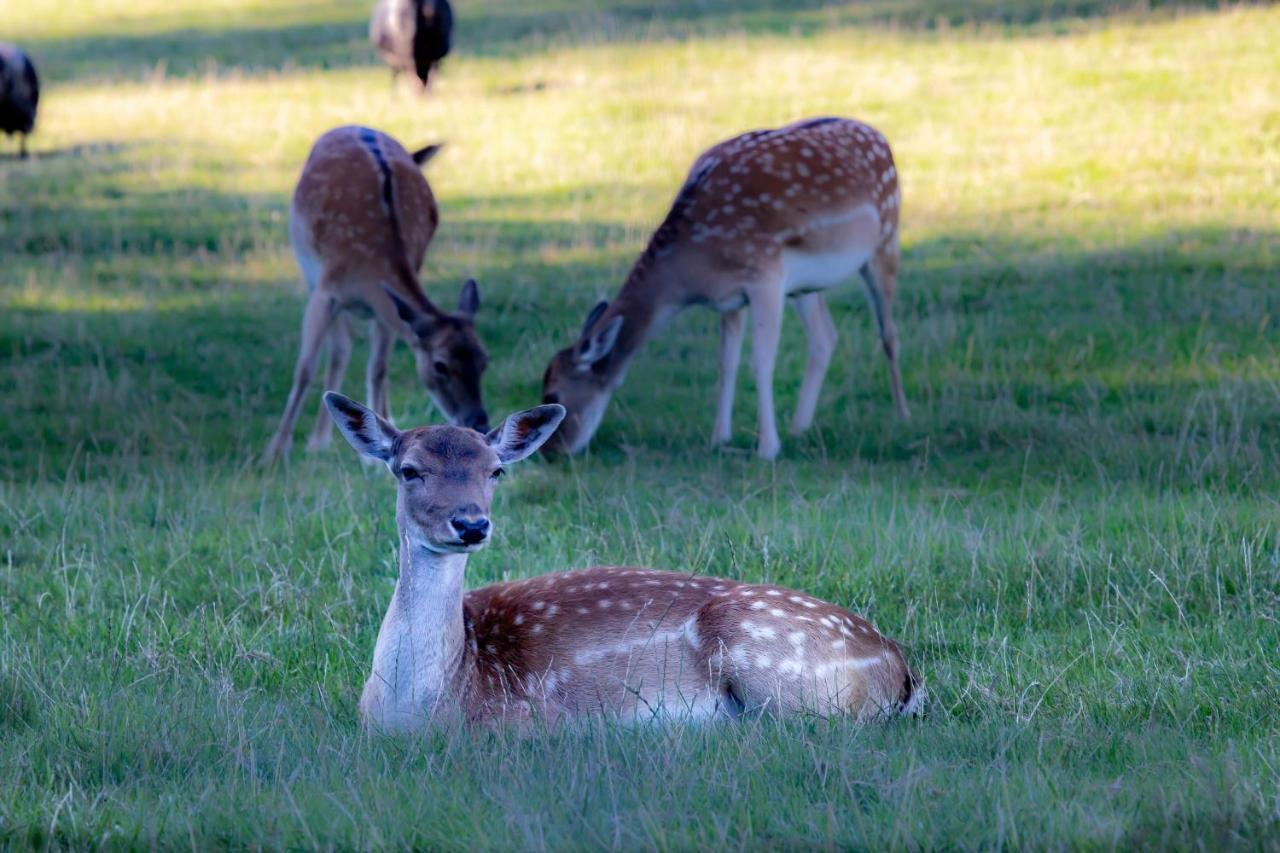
(757, 631)
(605, 604)
(758, 605)
(519, 620)
(538, 605)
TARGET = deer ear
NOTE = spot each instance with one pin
(596, 346)
(524, 432)
(594, 315)
(469, 299)
(424, 155)
(363, 429)
(418, 322)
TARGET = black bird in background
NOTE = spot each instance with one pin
(412, 35)
(19, 94)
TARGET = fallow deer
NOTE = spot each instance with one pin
(19, 94)
(360, 223)
(767, 215)
(412, 35)
(631, 644)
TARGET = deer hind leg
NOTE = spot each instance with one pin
(339, 357)
(766, 331)
(812, 308)
(733, 327)
(380, 341)
(880, 275)
(315, 324)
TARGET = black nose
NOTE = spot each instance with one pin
(472, 531)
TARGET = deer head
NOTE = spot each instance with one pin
(449, 357)
(578, 378)
(446, 474)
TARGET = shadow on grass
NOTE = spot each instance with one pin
(1148, 360)
(508, 29)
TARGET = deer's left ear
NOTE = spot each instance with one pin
(524, 432)
(469, 299)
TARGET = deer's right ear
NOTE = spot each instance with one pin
(363, 429)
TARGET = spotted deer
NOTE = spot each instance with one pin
(627, 643)
(361, 220)
(765, 216)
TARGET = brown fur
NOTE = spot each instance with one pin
(361, 220)
(617, 641)
(765, 216)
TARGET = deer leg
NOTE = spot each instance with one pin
(766, 331)
(812, 308)
(22, 147)
(315, 324)
(339, 356)
(732, 328)
(380, 341)
(880, 274)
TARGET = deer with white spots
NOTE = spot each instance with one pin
(763, 217)
(630, 644)
(361, 220)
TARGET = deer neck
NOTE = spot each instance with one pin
(647, 302)
(419, 656)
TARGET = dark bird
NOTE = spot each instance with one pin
(19, 94)
(412, 35)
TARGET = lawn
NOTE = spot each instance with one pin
(1076, 539)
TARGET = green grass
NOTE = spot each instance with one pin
(1076, 539)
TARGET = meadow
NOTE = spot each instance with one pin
(1076, 539)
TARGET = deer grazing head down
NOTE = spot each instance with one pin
(446, 475)
(764, 218)
(449, 357)
(578, 378)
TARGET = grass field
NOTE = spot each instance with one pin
(1077, 539)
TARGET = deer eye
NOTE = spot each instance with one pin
(407, 474)
(497, 473)
(440, 367)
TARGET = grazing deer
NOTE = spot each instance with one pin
(412, 35)
(19, 94)
(764, 216)
(361, 219)
(631, 643)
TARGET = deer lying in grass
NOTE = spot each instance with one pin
(634, 644)
(360, 223)
(766, 216)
